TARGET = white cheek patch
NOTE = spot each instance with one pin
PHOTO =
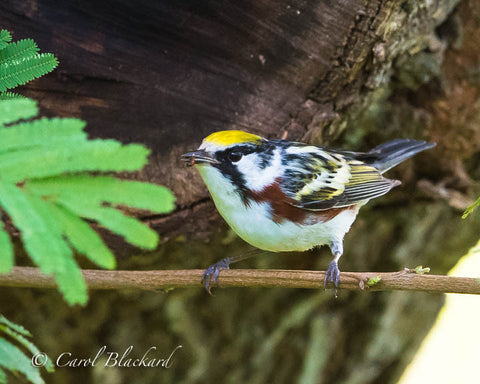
(257, 178)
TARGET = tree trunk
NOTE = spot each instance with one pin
(349, 74)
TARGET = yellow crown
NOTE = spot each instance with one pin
(226, 138)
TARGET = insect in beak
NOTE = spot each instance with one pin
(199, 157)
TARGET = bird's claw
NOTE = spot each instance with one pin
(211, 273)
(332, 274)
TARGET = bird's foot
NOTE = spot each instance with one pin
(211, 273)
(332, 275)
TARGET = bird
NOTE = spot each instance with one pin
(282, 196)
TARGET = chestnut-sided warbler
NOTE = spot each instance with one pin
(280, 195)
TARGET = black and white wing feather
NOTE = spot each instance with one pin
(318, 179)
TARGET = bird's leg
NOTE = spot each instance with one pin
(211, 273)
(333, 273)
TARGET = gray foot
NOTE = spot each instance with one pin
(211, 273)
(332, 274)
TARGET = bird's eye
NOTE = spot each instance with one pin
(234, 156)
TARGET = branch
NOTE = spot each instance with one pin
(406, 280)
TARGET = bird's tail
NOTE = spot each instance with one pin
(388, 155)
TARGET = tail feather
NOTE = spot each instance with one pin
(388, 155)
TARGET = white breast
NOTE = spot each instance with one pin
(253, 224)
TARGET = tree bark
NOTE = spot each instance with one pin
(350, 74)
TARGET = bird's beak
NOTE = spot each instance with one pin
(199, 157)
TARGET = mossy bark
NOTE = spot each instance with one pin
(349, 74)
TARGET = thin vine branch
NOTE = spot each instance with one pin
(406, 280)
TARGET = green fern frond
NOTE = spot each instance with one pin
(19, 50)
(43, 186)
(18, 72)
(5, 38)
(134, 231)
(6, 246)
(5, 323)
(85, 195)
(13, 358)
(43, 241)
(42, 133)
(45, 191)
(10, 96)
(97, 190)
(21, 62)
(82, 237)
(20, 334)
(94, 155)
(17, 109)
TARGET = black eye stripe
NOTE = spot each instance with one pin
(238, 150)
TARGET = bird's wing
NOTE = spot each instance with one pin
(317, 179)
